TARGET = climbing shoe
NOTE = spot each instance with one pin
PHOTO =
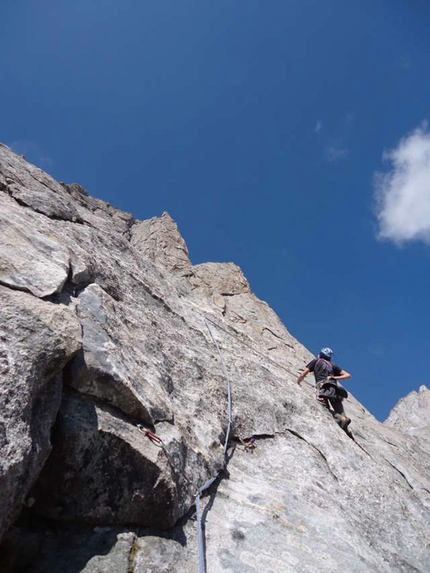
(344, 423)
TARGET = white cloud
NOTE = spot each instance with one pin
(318, 126)
(335, 153)
(403, 193)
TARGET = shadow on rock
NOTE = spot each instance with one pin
(38, 550)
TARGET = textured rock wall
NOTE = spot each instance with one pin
(103, 328)
(411, 415)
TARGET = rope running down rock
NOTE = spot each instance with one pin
(202, 566)
(255, 351)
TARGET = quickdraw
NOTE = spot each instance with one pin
(249, 445)
(156, 440)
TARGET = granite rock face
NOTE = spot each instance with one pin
(30, 261)
(97, 449)
(158, 239)
(37, 339)
(412, 414)
(108, 344)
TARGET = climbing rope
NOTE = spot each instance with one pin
(255, 351)
(202, 566)
(228, 384)
(249, 446)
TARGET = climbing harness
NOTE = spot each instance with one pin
(248, 445)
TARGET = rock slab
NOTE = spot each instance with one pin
(109, 336)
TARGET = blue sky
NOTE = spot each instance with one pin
(261, 127)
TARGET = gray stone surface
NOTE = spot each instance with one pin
(158, 239)
(37, 338)
(31, 187)
(98, 550)
(103, 471)
(412, 414)
(29, 260)
(307, 499)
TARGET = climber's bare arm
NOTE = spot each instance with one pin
(344, 375)
(303, 376)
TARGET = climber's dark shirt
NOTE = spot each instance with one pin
(322, 369)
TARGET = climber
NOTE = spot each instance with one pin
(329, 392)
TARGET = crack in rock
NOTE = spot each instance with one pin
(297, 435)
(400, 472)
(277, 336)
(294, 433)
